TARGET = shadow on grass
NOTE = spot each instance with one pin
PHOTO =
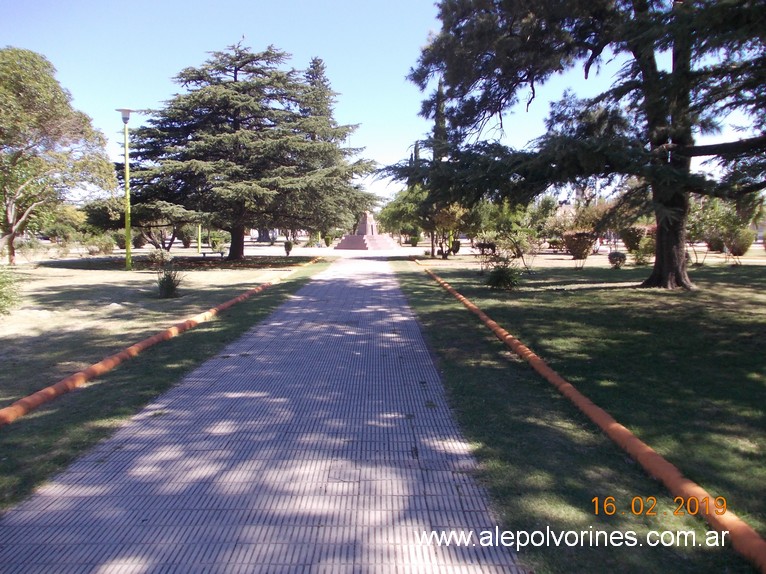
(642, 355)
(114, 315)
(47, 439)
(244, 458)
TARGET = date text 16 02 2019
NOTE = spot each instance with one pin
(647, 506)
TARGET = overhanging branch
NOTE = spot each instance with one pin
(726, 149)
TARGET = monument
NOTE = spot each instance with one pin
(367, 236)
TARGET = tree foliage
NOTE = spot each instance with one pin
(253, 145)
(686, 65)
(46, 146)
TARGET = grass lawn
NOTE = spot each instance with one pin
(685, 371)
(76, 312)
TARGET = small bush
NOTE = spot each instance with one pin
(328, 240)
(579, 243)
(644, 252)
(159, 258)
(105, 244)
(218, 240)
(168, 280)
(714, 242)
(288, 247)
(555, 244)
(739, 241)
(186, 234)
(99, 244)
(505, 275)
(139, 241)
(9, 292)
(30, 248)
(414, 240)
(617, 259)
(455, 246)
(119, 239)
(313, 240)
(632, 236)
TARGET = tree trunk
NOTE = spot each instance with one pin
(670, 254)
(237, 247)
(264, 235)
(11, 249)
(669, 120)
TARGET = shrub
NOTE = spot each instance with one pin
(186, 234)
(30, 248)
(455, 246)
(555, 244)
(328, 240)
(414, 240)
(579, 243)
(119, 239)
(617, 259)
(61, 232)
(504, 275)
(9, 292)
(218, 240)
(644, 252)
(99, 244)
(314, 239)
(139, 241)
(288, 247)
(106, 244)
(739, 241)
(714, 242)
(168, 280)
(159, 258)
(632, 236)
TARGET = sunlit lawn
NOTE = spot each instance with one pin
(685, 371)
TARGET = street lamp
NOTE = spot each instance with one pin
(128, 238)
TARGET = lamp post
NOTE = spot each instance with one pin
(128, 236)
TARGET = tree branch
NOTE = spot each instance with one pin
(725, 149)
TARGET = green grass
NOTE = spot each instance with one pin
(45, 441)
(76, 312)
(682, 370)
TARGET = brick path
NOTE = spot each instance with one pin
(319, 442)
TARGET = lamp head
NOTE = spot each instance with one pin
(125, 114)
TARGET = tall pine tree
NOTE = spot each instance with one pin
(250, 144)
(490, 54)
(321, 194)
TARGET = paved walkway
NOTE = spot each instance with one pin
(319, 442)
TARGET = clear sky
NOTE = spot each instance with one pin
(111, 54)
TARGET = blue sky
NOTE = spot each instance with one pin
(112, 54)
(124, 54)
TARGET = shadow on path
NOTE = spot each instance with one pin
(319, 442)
